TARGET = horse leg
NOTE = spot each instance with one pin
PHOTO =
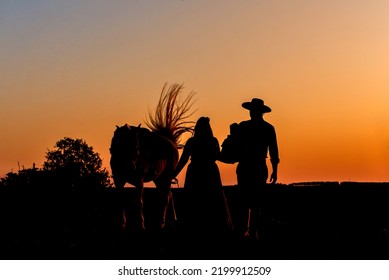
(171, 200)
(165, 196)
(119, 184)
(139, 218)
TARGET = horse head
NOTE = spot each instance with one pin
(125, 141)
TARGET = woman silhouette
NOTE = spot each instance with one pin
(206, 211)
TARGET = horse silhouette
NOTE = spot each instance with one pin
(140, 155)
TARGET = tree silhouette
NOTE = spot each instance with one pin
(76, 164)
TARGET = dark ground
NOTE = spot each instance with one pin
(303, 221)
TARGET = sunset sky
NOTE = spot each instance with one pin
(79, 68)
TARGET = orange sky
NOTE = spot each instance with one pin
(76, 69)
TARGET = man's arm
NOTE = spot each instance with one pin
(273, 177)
(274, 156)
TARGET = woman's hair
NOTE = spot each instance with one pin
(203, 128)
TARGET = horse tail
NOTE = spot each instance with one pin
(170, 118)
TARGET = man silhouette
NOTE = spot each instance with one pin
(257, 138)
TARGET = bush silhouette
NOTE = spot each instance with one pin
(25, 179)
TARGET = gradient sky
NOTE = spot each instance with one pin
(78, 68)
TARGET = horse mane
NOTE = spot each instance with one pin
(171, 114)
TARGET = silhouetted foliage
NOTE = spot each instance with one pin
(22, 179)
(72, 164)
(76, 164)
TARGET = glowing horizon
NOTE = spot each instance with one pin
(79, 69)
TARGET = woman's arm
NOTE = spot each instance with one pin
(217, 149)
(184, 158)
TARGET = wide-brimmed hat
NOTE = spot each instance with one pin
(256, 104)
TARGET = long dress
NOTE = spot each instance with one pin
(206, 210)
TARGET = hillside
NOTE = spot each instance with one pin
(322, 220)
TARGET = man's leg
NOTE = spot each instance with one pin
(258, 197)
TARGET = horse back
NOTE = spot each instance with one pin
(158, 156)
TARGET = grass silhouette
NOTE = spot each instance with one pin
(302, 221)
